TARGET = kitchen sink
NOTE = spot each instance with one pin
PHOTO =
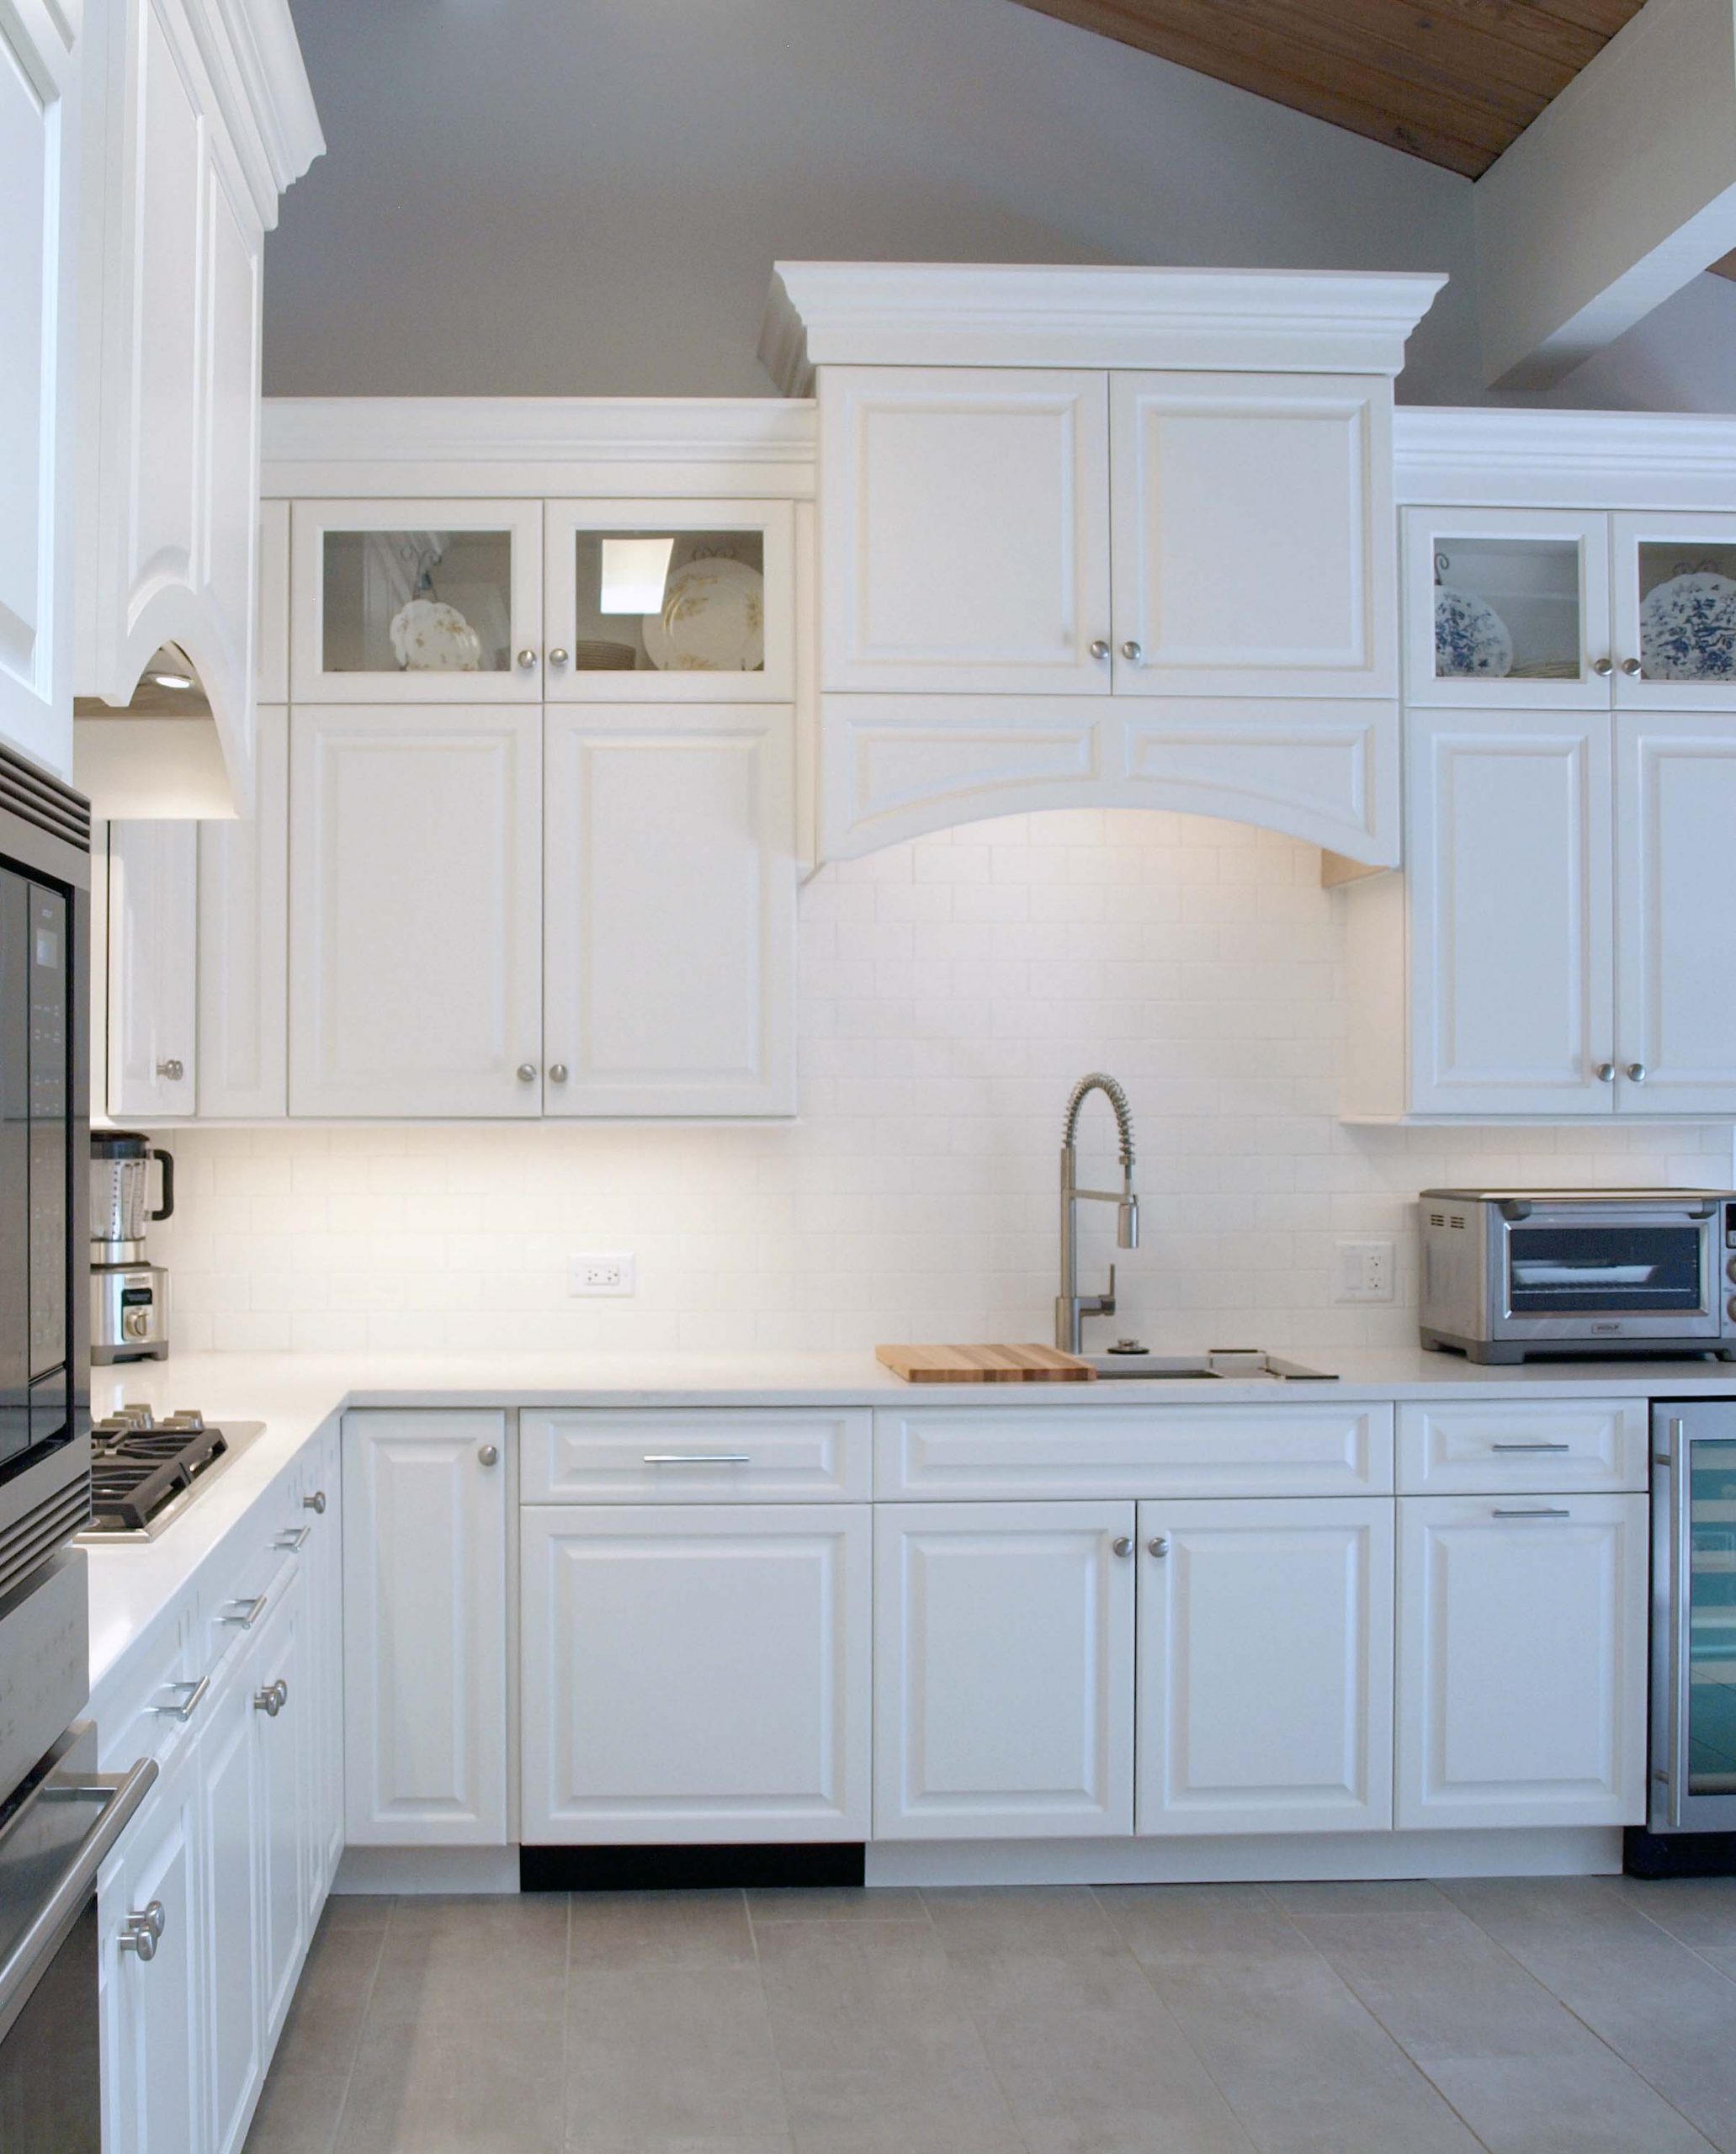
(1228, 1364)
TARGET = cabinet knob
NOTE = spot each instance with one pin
(490, 1454)
(1632, 667)
(527, 1072)
(557, 1073)
(557, 656)
(174, 1069)
(315, 1502)
(527, 658)
(1100, 650)
(1133, 653)
(143, 1930)
(1605, 1073)
(1637, 1071)
(272, 1699)
(1603, 667)
(1123, 1545)
(1159, 1544)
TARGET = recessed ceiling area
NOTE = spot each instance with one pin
(1455, 82)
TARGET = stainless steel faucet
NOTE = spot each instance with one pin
(1071, 1306)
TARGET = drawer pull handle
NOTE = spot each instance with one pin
(1530, 1446)
(191, 1703)
(697, 1458)
(292, 1536)
(1537, 1510)
(246, 1613)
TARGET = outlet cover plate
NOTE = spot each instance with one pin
(1364, 1272)
(601, 1271)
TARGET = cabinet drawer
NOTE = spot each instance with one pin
(1318, 1450)
(693, 1455)
(1473, 1447)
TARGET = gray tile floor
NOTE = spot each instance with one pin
(1572, 2016)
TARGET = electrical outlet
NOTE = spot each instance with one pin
(601, 1271)
(1365, 1272)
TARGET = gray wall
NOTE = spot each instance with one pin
(585, 197)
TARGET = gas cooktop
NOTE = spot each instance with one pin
(144, 1473)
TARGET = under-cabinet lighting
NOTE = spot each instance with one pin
(635, 571)
(171, 680)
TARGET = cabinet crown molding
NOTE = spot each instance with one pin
(254, 57)
(1495, 457)
(979, 314)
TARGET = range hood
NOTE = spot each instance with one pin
(158, 757)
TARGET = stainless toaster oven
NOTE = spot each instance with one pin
(1510, 1274)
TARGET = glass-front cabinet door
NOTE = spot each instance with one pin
(669, 602)
(418, 602)
(1674, 578)
(1507, 606)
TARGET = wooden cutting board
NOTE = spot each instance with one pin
(984, 1365)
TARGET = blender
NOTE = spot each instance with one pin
(129, 1295)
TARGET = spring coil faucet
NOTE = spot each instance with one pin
(1071, 1306)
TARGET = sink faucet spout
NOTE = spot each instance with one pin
(1071, 1306)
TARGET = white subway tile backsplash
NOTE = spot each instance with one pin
(951, 990)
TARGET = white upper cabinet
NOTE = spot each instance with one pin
(964, 530)
(415, 911)
(1676, 913)
(1251, 550)
(669, 602)
(188, 146)
(670, 890)
(1511, 916)
(242, 967)
(38, 252)
(419, 601)
(152, 1013)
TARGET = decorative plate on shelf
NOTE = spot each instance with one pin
(1687, 628)
(713, 621)
(1471, 638)
(429, 636)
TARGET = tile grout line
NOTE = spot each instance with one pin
(566, 2005)
(349, 2072)
(759, 1975)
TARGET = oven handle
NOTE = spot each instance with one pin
(120, 1795)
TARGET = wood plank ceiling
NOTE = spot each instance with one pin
(1454, 82)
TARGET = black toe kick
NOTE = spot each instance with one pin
(687, 1870)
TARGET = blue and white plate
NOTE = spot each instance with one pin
(1471, 638)
(1687, 628)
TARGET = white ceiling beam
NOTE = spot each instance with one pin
(1616, 194)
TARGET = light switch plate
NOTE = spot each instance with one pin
(601, 1271)
(1364, 1272)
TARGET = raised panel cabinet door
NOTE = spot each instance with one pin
(1511, 913)
(1265, 1666)
(154, 2062)
(670, 904)
(1003, 1670)
(1676, 913)
(1521, 1677)
(38, 253)
(695, 1674)
(244, 942)
(425, 1628)
(415, 911)
(281, 1697)
(965, 529)
(152, 996)
(322, 1514)
(232, 1966)
(1252, 543)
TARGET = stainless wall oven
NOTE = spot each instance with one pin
(57, 1817)
(1511, 1274)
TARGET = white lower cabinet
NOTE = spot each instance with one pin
(1003, 1670)
(233, 1823)
(695, 1673)
(426, 1498)
(1266, 1667)
(154, 2071)
(280, 1697)
(1522, 1675)
(322, 1501)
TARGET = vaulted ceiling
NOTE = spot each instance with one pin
(1451, 80)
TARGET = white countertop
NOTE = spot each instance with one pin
(134, 1584)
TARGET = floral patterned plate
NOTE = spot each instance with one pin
(428, 636)
(713, 621)
(1687, 628)
(1471, 638)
